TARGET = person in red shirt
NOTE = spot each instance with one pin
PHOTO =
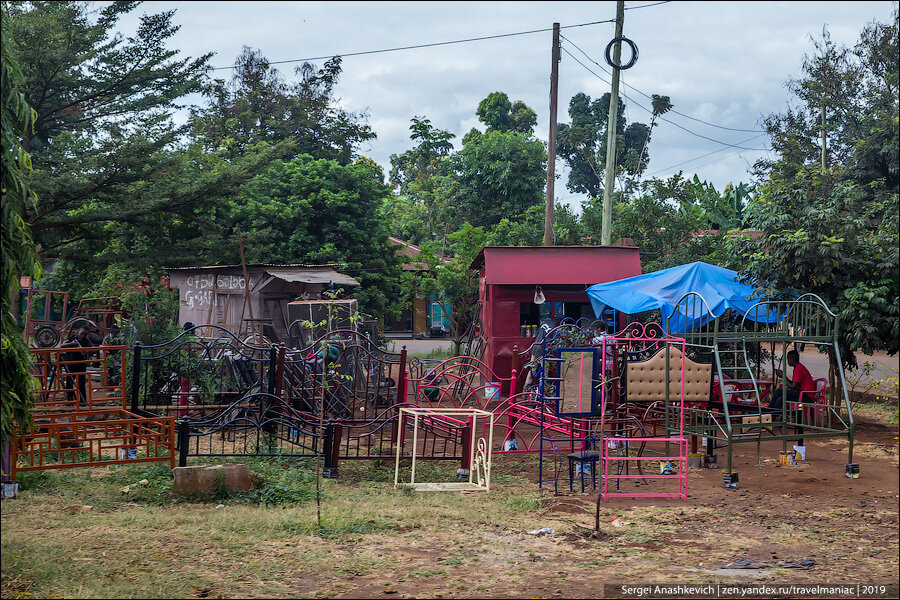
(801, 381)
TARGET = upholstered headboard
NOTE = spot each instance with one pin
(646, 380)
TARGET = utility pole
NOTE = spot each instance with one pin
(551, 141)
(612, 125)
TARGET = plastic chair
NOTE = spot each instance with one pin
(812, 403)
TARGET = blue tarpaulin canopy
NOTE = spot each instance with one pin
(663, 289)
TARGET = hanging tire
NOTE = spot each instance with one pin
(46, 336)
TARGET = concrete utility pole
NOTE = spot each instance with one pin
(551, 141)
(610, 173)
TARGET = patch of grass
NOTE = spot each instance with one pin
(524, 504)
(337, 528)
(290, 486)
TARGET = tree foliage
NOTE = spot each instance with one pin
(308, 210)
(421, 178)
(19, 257)
(833, 230)
(102, 122)
(257, 105)
(500, 173)
(582, 143)
(663, 224)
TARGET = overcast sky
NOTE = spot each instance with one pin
(724, 63)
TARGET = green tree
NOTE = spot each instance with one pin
(582, 142)
(257, 105)
(834, 231)
(422, 181)
(102, 122)
(717, 211)
(19, 257)
(667, 234)
(455, 282)
(500, 175)
(499, 114)
(528, 230)
(308, 210)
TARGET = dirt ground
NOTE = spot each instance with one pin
(778, 517)
(477, 545)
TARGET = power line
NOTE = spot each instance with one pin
(648, 5)
(650, 98)
(588, 69)
(431, 45)
(701, 156)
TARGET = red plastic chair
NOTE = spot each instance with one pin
(813, 404)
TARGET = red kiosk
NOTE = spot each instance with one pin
(511, 275)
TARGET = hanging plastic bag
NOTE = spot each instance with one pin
(539, 295)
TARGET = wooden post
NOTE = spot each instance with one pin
(612, 124)
(246, 282)
(551, 140)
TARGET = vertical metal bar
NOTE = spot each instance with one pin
(403, 376)
(135, 376)
(412, 478)
(183, 441)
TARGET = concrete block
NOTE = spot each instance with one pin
(202, 478)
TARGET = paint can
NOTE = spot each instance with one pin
(731, 481)
(668, 468)
(784, 459)
(695, 460)
(799, 453)
(851, 470)
(709, 461)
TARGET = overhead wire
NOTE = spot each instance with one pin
(430, 45)
(639, 105)
(703, 156)
(586, 55)
(434, 44)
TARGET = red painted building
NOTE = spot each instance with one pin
(509, 276)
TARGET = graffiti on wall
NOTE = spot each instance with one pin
(199, 289)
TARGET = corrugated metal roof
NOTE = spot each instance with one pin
(294, 273)
(259, 266)
(323, 276)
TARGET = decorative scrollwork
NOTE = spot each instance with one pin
(482, 464)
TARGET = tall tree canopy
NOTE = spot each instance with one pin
(103, 104)
(832, 228)
(308, 210)
(582, 143)
(257, 105)
(497, 174)
(421, 179)
(18, 255)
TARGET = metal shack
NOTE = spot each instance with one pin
(218, 295)
(510, 276)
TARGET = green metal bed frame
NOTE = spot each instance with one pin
(724, 341)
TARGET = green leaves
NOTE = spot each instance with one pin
(18, 253)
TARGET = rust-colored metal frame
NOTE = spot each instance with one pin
(72, 429)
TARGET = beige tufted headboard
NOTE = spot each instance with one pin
(646, 380)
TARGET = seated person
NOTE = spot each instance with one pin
(801, 381)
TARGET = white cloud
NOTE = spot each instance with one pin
(724, 62)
